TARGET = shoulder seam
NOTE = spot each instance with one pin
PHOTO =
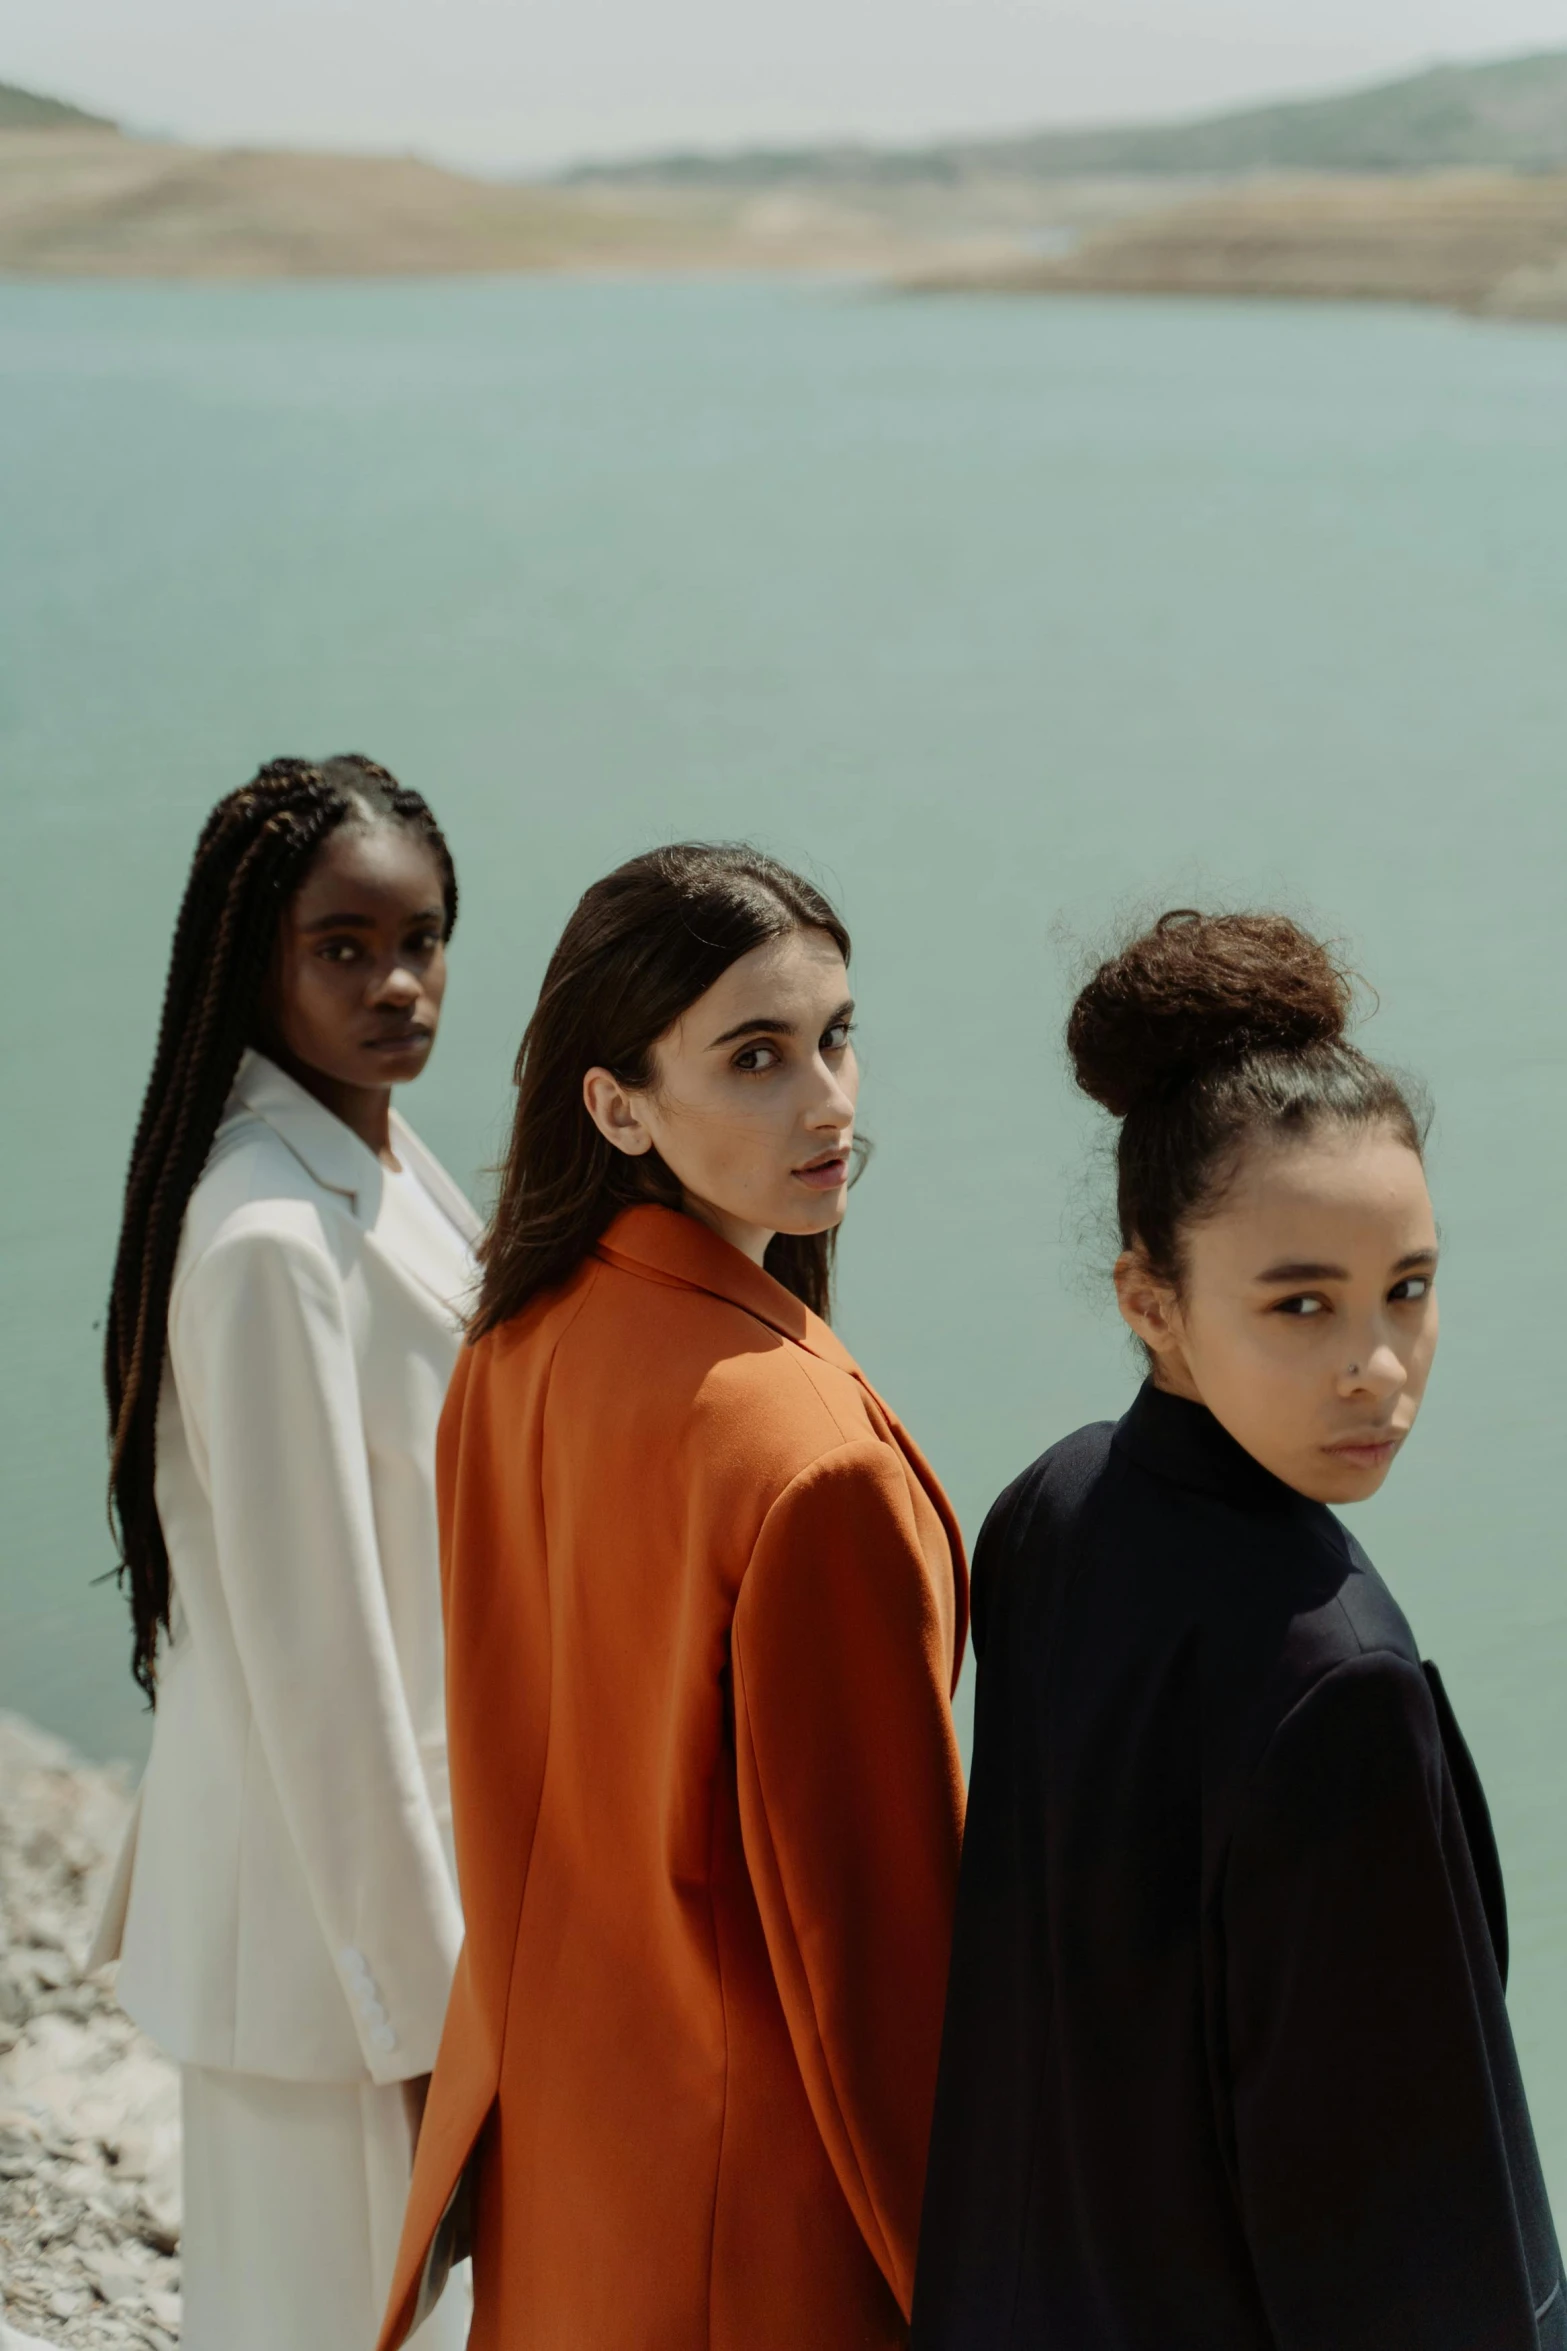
(253, 1234)
(1330, 1673)
(225, 1242)
(870, 1444)
(595, 1266)
(805, 1364)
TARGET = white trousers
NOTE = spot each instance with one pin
(294, 2196)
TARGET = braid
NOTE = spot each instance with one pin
(253, 853)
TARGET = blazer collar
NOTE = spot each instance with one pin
(318, 1138)
(1183, 1442)
(333, 1154)
(668, 1246)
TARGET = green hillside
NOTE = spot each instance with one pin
(23, 110)
(1507, 115)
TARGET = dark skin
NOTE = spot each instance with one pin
(352, 1001)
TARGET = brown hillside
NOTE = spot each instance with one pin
(1472, 241)
(85, 205)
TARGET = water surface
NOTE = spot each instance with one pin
(999, 617)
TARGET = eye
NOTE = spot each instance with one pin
(753, 1059)
(1304, 1307)
(338, 950)
(835, 1039)
(1410, 1290)
(422, 943)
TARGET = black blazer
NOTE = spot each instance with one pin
(1227, 2064)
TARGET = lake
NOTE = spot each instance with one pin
(1005, 619)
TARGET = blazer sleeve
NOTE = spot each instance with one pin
(851, 1812)
(1387, 2177)
(268, 1360)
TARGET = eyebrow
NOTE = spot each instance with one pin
(767, 1026)
(365, 922)
(1305, 1272)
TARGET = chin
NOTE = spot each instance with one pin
(818, 1216)
(396, 1069)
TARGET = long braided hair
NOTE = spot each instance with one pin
(255, 850)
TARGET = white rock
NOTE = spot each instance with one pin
(89, 2111)
(10, 2340)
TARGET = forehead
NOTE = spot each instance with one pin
(381, 869)
(793, 976)
(1358, 1185)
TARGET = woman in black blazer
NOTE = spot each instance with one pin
(1227, 2064)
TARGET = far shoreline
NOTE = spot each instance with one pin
(95, 207)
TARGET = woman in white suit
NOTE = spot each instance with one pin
(285, 1316)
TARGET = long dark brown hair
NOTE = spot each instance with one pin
(254, 852)
(643, 944)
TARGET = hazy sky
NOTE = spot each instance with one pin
(531, 82)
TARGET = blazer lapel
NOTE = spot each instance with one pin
(335, 1157)
(447, 1195)
(323, 1145)
(425, 1245)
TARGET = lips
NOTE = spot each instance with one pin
(397, 1040)
(1368, 1451)
(827, 1173)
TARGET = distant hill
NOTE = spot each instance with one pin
(96, 205)
(24, 110)
(1510, 115)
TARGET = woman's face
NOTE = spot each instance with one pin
(1307, 1319)
(359, 967)
(752, 1102)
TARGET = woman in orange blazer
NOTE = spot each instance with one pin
(705, 1607)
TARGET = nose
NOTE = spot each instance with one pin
(397, 986)
(834, 1105)
(1379, 1371)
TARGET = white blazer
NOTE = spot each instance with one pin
(286, 1901)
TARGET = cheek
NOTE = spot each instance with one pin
(1258, 1362)
(726, 1153)
(316, 999)
(1270, 1402)
(739, 1150)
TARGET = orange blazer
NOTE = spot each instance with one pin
(705, 1608)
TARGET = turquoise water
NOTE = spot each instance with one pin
(1002, 618)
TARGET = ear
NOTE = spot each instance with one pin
(1148, 1305)
(613, 1111)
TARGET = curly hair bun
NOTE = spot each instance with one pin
(1202, 992)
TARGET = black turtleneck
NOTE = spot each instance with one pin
(1227, 2064)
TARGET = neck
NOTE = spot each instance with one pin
(367, 1110)
(750, 1239)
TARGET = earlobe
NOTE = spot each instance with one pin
(614, 1113)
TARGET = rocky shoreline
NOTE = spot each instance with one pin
(89, 2110)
